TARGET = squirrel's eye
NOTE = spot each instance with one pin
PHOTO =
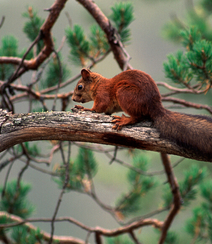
(80, 87)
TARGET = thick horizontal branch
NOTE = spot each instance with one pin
(81, 126)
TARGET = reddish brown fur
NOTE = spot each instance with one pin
(136, 93)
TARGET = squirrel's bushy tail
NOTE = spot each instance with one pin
(193, 133)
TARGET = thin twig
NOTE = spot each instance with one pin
(6, 179)
(129, 166)
(114, 156)
(69, 18)
(133, 236)
(21, 173)
(148, 215)
(87, 237)
(8, 161)
(2, 21)
(180, 90)
(187, 104)
(59, 81)
(176, 196)
(66, 164)
(14, 75)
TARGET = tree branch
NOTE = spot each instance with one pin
(46, 236)
(83, 126)
(101, 231)
(45, 33)
(120, 54)
(187, 104)
(176, 196)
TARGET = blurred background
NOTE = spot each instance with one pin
(148, 50)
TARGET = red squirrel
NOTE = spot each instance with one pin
(136, 93)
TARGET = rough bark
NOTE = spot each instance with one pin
(82, 126)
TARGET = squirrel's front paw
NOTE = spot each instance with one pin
(79, 107)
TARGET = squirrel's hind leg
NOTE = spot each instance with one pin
(122, 121)
(129, 98)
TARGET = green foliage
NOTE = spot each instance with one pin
(14, 199)
(171, 31)
(206, 192)
(86, 162)
(122, 16)
(81, 171)
(197, 225)
(119, 240)
(23, 235)
(177, 68)
(192, 177)
(171, 238)
(84, 49)
(3, 220)
(190, 36)
(98, 41)
(140, 185)
(200, 225)
(207, 6)
(196, 36)
(201, 23)
(200, 59)
(9, 44)
(32, 148)
(38, 110)
(198, 17)
(9, 48)
(78, 43)
(32, 26)
(54, 73)
(195, 64)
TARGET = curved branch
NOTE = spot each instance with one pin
(83, 126)
(176, 197)
(45, 34)
(187, 104)
(120, 54)
(180, 90)
(46, 236)
(102, 231)
(54, 12)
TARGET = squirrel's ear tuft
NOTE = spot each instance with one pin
(85, 74)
